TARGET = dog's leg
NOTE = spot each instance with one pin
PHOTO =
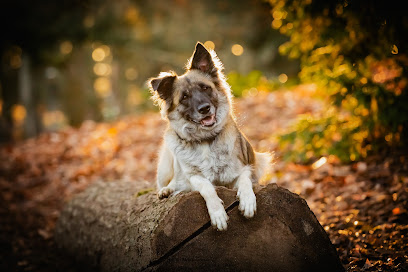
(165, 173)
(215, 206)
(246, 195)
(166, 191)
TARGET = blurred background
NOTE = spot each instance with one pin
(63, 62)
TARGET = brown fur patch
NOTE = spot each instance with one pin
(247, 154)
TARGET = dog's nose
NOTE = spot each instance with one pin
(204, 108)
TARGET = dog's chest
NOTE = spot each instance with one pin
(213, 161)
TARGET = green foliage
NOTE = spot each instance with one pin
(239, 83)
(143, 192)
(324, 136)
(355, 52)
(250, 84)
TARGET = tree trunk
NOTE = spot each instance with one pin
(111, 227)
(26, 97)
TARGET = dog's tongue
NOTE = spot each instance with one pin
(208, 121)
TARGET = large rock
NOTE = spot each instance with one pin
(110, 227)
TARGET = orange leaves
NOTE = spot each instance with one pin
(361, 205)
(397, 211)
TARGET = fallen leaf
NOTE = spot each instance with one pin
(396, 211)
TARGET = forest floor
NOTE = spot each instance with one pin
(362, 206)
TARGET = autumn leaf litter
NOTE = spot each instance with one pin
(362, 206)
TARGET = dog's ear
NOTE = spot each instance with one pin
(163, 86)
(203, 60)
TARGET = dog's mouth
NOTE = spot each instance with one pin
(208, 121)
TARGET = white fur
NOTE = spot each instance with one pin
(214, 204)
(200, 166)
(246, 195)
(263, 164)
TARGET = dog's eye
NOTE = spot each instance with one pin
(184, 97)
(205, 87)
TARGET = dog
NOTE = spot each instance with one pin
(203, 146)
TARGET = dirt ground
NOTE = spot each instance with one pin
(362, 206)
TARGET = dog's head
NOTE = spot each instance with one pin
(197, 103)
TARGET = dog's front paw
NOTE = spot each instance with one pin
(219, 217)
(247, 203)
(165, 192)
(219, 220)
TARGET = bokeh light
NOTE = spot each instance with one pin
(18, 113)
(277, 15)
(131, 74)
(106, 49)
(66, 47)
(276, 23)
(102, 69)
(98, 54)
(237, 49)
(209, 45)
(103, 87)
(283, 78)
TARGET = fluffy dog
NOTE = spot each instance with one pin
(203, 146)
